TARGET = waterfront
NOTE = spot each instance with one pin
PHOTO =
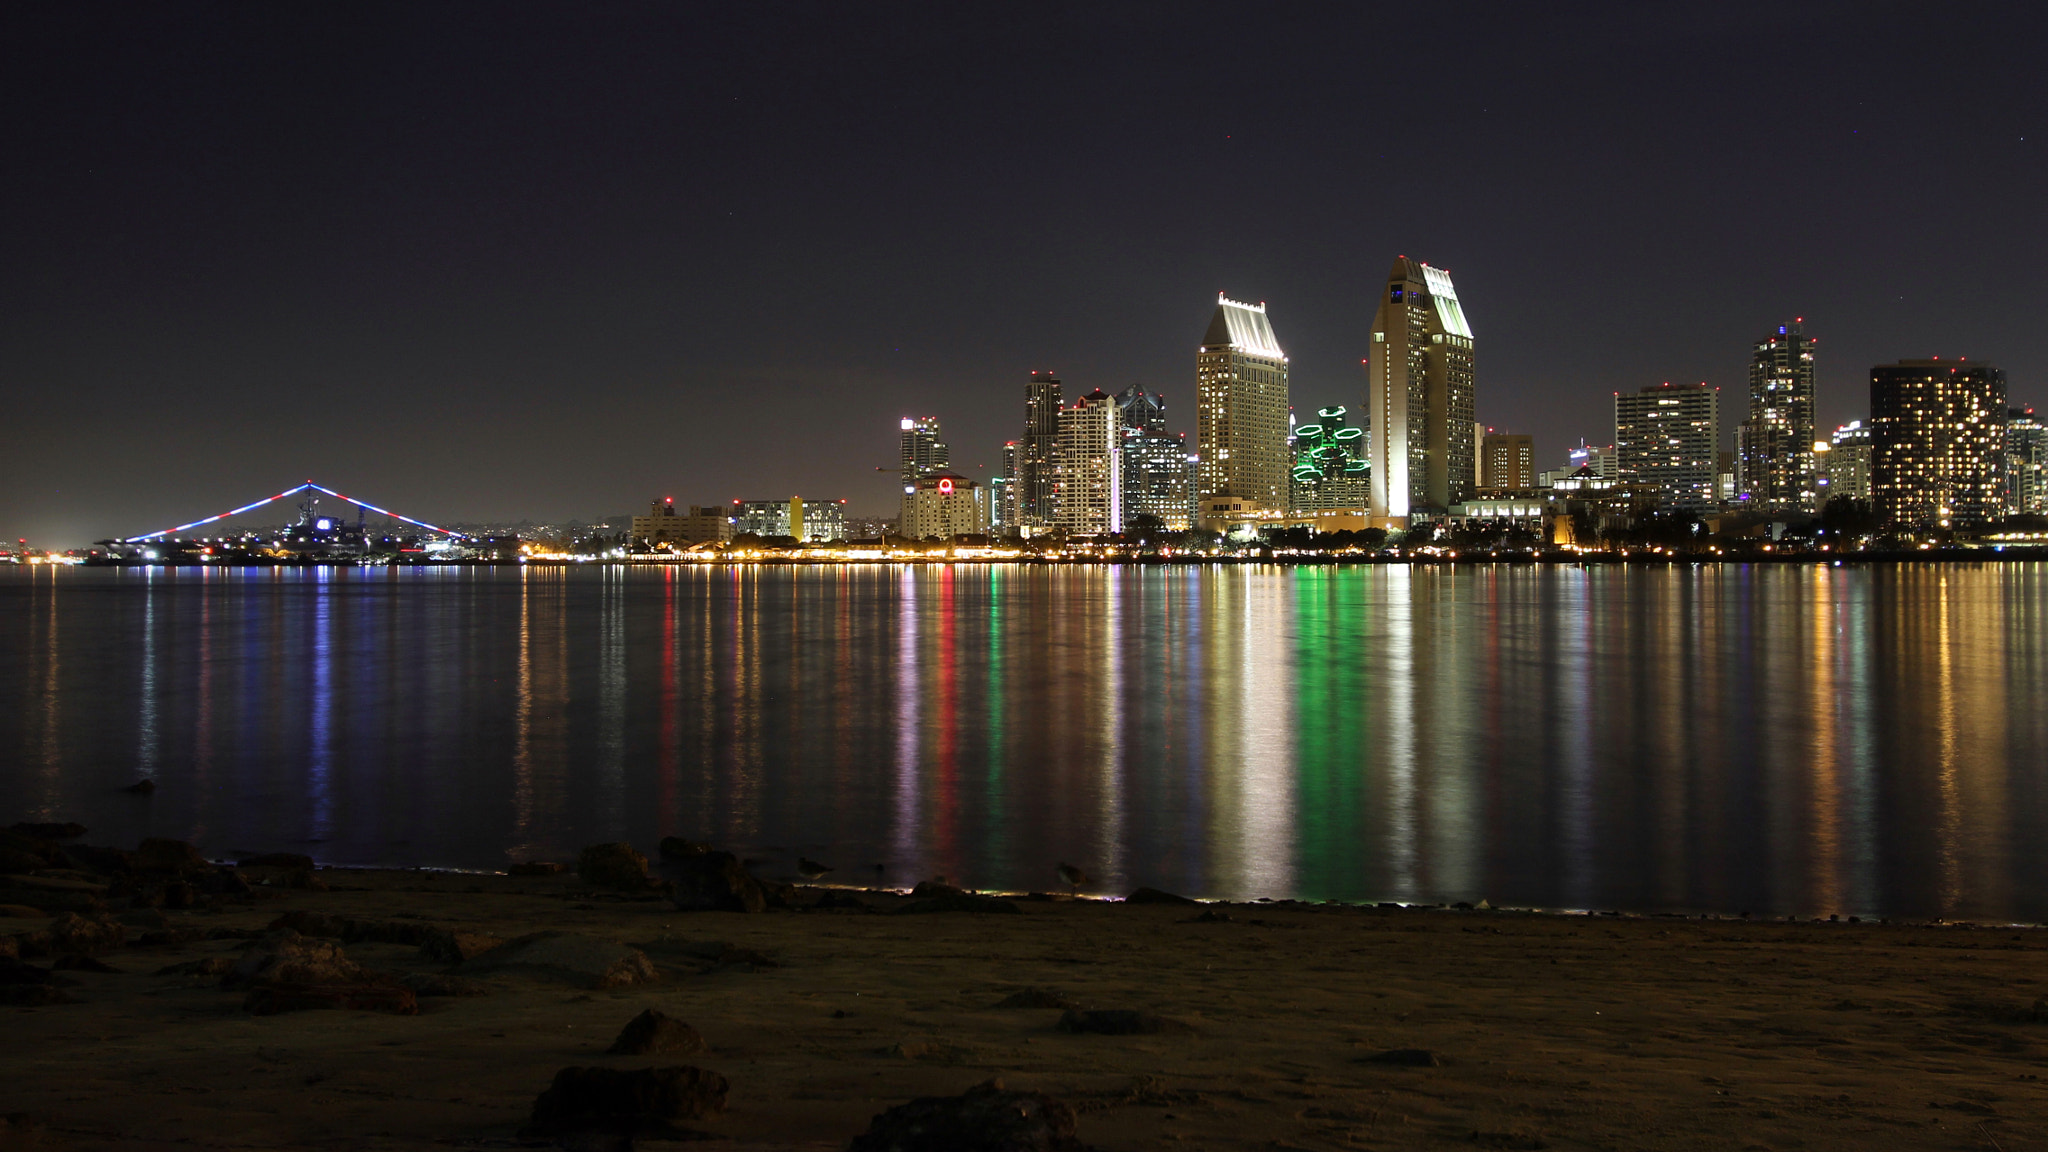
(1782, 740)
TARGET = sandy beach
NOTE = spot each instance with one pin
(1511, 1029)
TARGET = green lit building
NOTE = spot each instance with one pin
(1329, 468)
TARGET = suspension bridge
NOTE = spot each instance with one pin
(308, 486)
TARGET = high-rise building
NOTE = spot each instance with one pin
(1002, 490)
(2026, 462)
(924, 451)
(1937, 443)
(943, 505)
(1241, 408)
(1846, 464)
(1158, 479)
(1507, 462)
(1043, 400)
(1666, 440)
(1142, 411)
(1775, 441)
(1421, 394)
(1088, 494)
(1330, 470)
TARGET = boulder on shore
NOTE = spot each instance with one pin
(586, 961)
(618, 866)
(21, 852)
(715, 882)
(985, 1118)
(454, 947)
(643, 1101)
(960, 902)
(85, 935)
(289, 958)
(652, 1034)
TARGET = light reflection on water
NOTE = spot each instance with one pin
(1783, 739)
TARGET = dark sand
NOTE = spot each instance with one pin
(1565, 1032)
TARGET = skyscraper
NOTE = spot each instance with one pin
(1329, 463)
(1420, 394)
(1775, 442)
(1937, 443)
(2026, 462)
(1157, 479)
(1088, 495)
(1666, 440)
(1507, 462)
(923, 451)
(1042, 403)
(1241, 408)
(1002, 490)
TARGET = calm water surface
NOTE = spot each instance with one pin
(1788, 740)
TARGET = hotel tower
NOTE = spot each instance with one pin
(1241, 409)
(1420, 402)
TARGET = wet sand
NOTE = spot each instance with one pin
(1563, 1032)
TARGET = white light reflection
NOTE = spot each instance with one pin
(611, 697)
(909, 685)
(321, 722)
(146, 734)
(1109, 828)
(1265, 734)
(1398, 722)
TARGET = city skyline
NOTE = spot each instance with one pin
(485, 256)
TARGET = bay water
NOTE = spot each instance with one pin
(1779, 739)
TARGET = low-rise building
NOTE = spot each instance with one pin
(943, 505)
(666, 527)
(796, 517)
(1845, 463)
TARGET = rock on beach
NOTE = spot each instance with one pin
(587, 961)
(985, 1118)
(646, 1101)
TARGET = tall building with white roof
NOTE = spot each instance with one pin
(1241, 408)
(1420, 395)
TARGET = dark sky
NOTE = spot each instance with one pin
(496, 260)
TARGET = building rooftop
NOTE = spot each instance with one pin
(1244, 326)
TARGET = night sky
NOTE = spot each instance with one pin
(492, 261)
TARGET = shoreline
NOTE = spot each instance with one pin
(1289, 902)
(1278, 1023)
(1989, 553)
